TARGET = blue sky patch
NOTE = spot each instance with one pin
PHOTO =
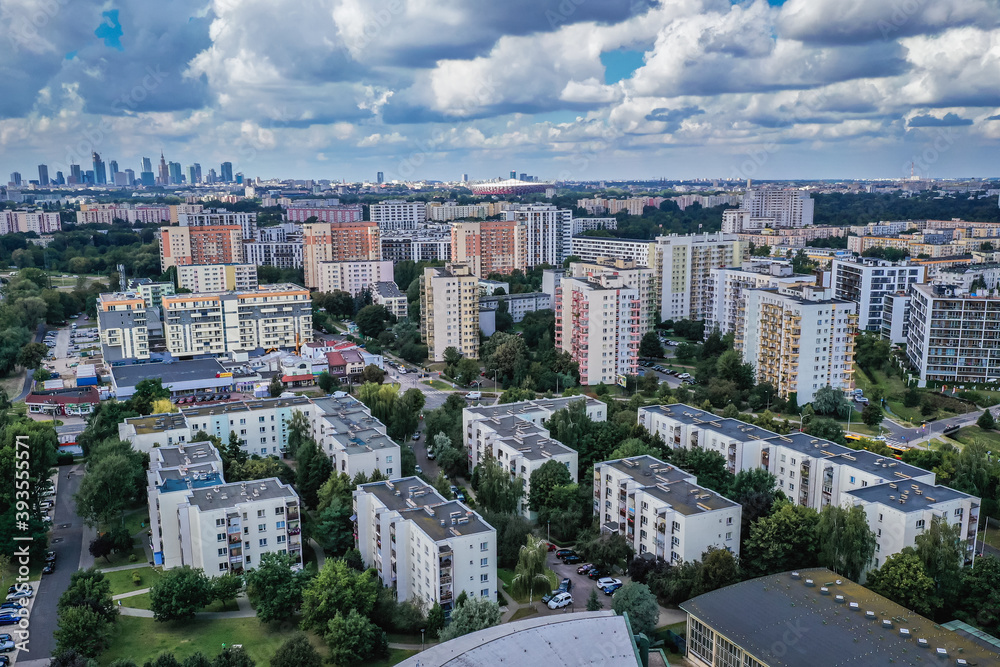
(620, 64)
(110, 30)
(71, 55)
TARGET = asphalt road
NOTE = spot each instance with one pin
(30, 374)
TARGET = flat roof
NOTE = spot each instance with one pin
(908, 495)
(404, 493)
(548, 405)
(445, 520)
(889, 468)
(178, 371)
(157, 423)
(230, 495)
(763, 614)
(810, 445)
(243, 406)
(731, 428)
(195, 452)
(688, 498)
(388, 290)
(648, 470)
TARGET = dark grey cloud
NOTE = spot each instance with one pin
(949, 120)
(997, 117)
(673, 117)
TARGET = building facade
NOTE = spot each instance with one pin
(121, 322)
(386, 293)
(217, 277)
(449, 310)
(181, 246)
(398, 215)
(684, 268)
(353, 277)
(729, 288)
(488, 246)
(867, 281)
(247, 222)
(337, 242)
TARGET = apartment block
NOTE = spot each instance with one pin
(423, 245)
(199, 520)
(180, 246)
(397, 215)
(261, 425)
(896, 317)
(770, 207)
(541, 234)
(247, 222)
(449, 310)
(151, 292)
(488, 246)
(639, 278)
(272, 316)
(729, 286)
(662, 511)
(534, 412)
(867, 281)
(217, 277)
(14, 222)
(355, 441)
(353, 277)
(339, 213)
(387, 293)
(684, 267)
(953, 336)
(800, 341)
(422, 546)
(337, 242)
(518, 305)
(598, 323)
(594, 248)
(121, 322)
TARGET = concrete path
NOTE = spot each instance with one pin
(130, 566)
(320, 556)
(130, 594)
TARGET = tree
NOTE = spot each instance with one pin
(941, 549)
(372, 320)
(986, 421)
(529, 575)
(338, 589)
(147, 391)
(326, 382)
(31, 355)
(334, 529)
(109, 488)
(824, 428)
(101, 546)
(257, 468)
(276, 386)
(197, 659)
(785, 540)
(640, 604)
(831, 402)
(755, 490)
(718, 568)
(467, 371)
(496, 490)
(634, 447)
(594, 602)
(847, 544)
(314, 468)
(650, 346)
(353, 639)
(980, 594)
(435, 620)
(226, 587)
(373, 373)
(232, 656)
(872, 414)
(82, 630)
(903, 579)
(299, 429)
(274, 589)
(451, 358)
(473, 615)
(89, 589)
(708, 466)
(296, 652)
(179, 594)
(543, 480)
(607, 551)
(71, 658)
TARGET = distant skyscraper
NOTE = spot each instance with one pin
(191, 175)
(164, 175)
(89, 177)
(113, 167)
(513, 174)
(465, 178)
(212, 178)
(130, 176)
(239, 178)
(380, 178)
(43, 174)
(197, 173)
(147, 165)
(15, 178)
(524, 176)
(148, 178)
(226, 173)
(59, 178)
(75, 175)
(174, 171)
(100, 171)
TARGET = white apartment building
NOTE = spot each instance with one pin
(727, 294)
(867, 281)
(580, 225)
(386, 293)
(396, 215)
(518, 305)
(424, 547)
(800, 342)
(423, 245)
(155, 431)
(953, 336)
(452, 211)
(272, 316)
(355, 441)
(898, 512)
(215, 218)
(896, 317)
(279, 245)
(598, 323)
(217, 277)
(637, 277)
(662, 511)
(121, 322)
(449, 310)
(770, 207)
(543, 234)
(197, 519)
(970, 277)
(261, 425)
(352, 277)
(594, 248)
(684, 268)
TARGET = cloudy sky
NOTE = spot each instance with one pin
(563, 89)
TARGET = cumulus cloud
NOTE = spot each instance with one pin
(948, 120)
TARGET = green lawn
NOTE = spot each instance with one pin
(400, 638)
(136, 520)
(141, 601)
(117, 560)
(142, 639)
(438, 384)
(507, 577)
(970, 434)
(523, 612)
(121, 580)
(992, 537)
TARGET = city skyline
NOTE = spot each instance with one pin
(567, 90)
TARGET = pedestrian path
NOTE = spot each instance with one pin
(119, 568)
(130, 594)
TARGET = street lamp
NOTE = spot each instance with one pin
(422, 638)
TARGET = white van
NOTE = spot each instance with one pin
(474, 395)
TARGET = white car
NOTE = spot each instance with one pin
(20, 594)
(607, 581)
(474, 395)
(561, 600)
(684, 376)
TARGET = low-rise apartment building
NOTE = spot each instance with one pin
(518, 305)
(593, 248)
(449, 310)
(261, 425)
(351, 277)
(121, 322)
(386, 293)
(662, 511)
(355, 441)
(424, 547)
(217, 277)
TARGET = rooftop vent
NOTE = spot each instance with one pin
(796, 575)
(886, 623)
(903, 632)
(853, 606)
(809, 582)
(922, 643)
(869, 614)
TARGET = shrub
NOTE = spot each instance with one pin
(136, 579)
(132, 558)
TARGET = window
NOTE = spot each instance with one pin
(220, 522)
(280, 525)
(958, 512)
(279, 511)
(223, 566)
(484, 562)
(261, 527)
(729, 535)
(729, 520)
(262, 542)
(486, 593)
(702, 641)
(791, 487)
(483, 546)
(920, 524)
(281, 539)
(260, 513)
(852, 479)
(483, 578)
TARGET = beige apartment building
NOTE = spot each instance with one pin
(449, 310)
(352, 277)
(337, 242)
(684, 266)
(217, 277)
(200, 245)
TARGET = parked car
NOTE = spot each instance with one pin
(610, 590)
(9, 619)
(49, 568)
(607, 581)
(566, 585)
(573, 560)
(416, 436)
(7, 607)
(548, 596)
(684, 376)
(7, 646)
(562, 553)
(50, 556)
(552, 547)
(560, 601)
(16, 587)
(585, 568)
(20, 595)
(418, 469)
(4, 661)
(597, 573)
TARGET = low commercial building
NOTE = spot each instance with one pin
(181, 377)
(77, 401)
(424, 547)
(817, 617)
(200, 278)
(386, 293)
(662, 511)
(353, 277)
